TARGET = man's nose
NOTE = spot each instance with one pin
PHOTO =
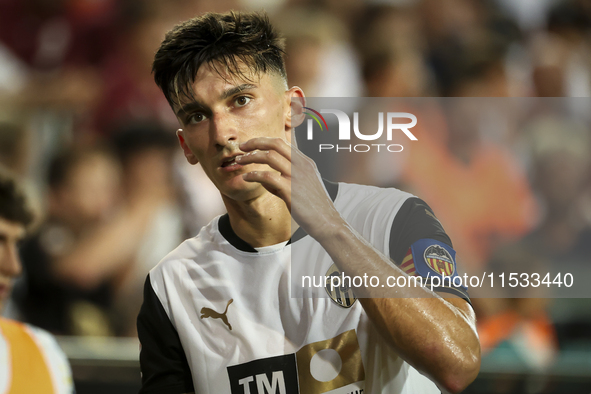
(10, 263)
(224, 129)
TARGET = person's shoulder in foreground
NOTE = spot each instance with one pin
(218, 313)
(30, 358)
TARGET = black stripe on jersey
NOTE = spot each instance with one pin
(228, 233)
(415, 220)
(332, 188)
(163, 362)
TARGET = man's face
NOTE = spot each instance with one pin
(10, 266)
(227, 111)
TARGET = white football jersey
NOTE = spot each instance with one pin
(222, 317)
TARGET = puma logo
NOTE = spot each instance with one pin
(208, 312)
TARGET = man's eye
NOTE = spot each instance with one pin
(195, 118)
(242, 101)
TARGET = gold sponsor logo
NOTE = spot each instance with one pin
(340, 354)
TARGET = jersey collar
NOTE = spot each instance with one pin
(228, 233)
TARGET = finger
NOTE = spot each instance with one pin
(269, 157)
(273, 182)
(268, 143)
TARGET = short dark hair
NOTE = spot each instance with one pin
(13, 203)
(227, 39)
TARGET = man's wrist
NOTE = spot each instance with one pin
(332, 230)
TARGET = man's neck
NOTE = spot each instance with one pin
(263, 221)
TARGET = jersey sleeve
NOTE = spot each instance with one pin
(420, 246)
(163, 362)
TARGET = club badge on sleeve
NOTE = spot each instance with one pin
(433, 258)
(439, 260)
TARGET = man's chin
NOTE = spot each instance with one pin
(240, 190)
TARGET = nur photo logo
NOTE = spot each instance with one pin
(394, 122)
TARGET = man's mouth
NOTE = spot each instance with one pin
(230, 161)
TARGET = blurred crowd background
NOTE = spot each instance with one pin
(89, 134)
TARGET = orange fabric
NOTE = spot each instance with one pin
(29, 372)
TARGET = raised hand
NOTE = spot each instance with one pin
(295, 179)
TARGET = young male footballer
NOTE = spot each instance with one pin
(218, 316)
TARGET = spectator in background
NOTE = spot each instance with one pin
(320, 57)
(14, 152)
(85, 245)
(30, 359)
(129, 93)
(146, 154)
(392, 45)
(16, 155)
(560, 54)
(467, 42)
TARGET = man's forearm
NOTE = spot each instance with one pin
(435, 335)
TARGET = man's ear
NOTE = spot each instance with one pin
(188, 154)
(295, 101)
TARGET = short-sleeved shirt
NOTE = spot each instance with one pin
(218, 316)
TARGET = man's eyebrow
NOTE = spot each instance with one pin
(194, 106)
(237, 89)
(188, 108)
